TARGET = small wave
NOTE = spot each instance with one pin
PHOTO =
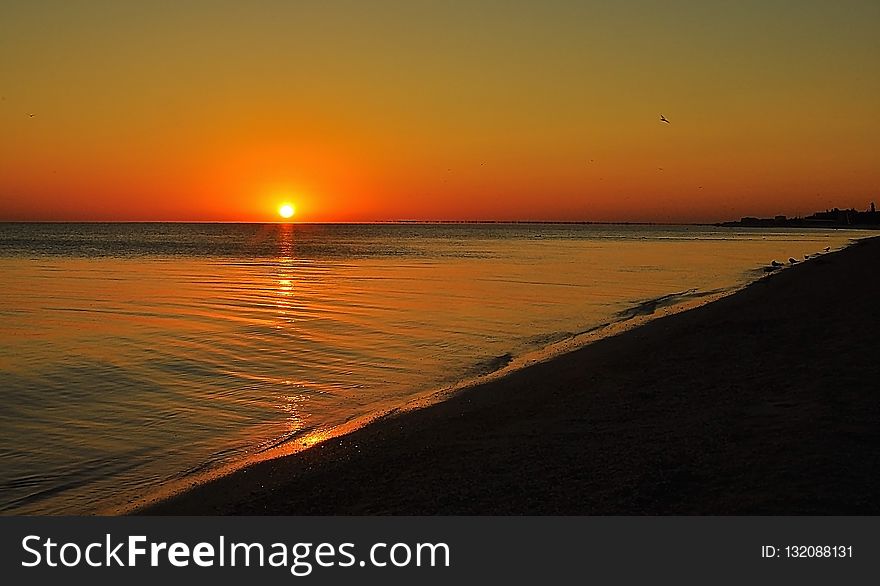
(492, 364)
(649, 306)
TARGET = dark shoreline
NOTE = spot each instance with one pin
(763, 402)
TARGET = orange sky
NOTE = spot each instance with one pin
(483, 110)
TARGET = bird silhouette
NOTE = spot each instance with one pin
(663, 119)
(31, 115)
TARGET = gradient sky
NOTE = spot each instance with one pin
(359, 111)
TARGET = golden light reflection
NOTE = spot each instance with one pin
(285, 243)
(292, 406)
(284, 276)
(316, 437)
(284, 303)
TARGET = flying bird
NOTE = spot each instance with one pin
(663, 119)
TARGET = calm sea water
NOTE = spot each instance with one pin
(134, 356)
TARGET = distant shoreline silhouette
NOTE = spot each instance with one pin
(830, 218)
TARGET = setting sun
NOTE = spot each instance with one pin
(286, 210)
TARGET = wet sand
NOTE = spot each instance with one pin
(764, 402)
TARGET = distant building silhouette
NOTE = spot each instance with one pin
(833, 218)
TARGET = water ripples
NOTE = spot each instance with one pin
(132, 356)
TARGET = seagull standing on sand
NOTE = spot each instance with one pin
(663, 119)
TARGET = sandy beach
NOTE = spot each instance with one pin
(764, 402)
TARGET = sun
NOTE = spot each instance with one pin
(286, 210)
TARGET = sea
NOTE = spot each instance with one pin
(141, 358)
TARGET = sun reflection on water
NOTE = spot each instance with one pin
(284, 276)
(291, 404)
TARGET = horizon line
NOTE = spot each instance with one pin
(364, 222)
